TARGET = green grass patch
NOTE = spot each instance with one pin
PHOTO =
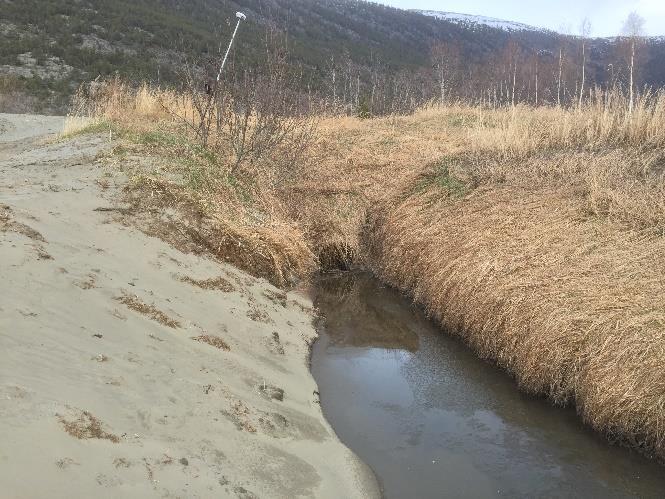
(460, 120)
(200, 169)
(441, 178)
(76, 129)
(160, 138)
(243, 193)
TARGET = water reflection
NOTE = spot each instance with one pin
(362, 318)
(434, 421)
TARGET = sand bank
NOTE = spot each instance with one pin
(131, 369)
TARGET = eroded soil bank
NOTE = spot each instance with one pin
(434, 421)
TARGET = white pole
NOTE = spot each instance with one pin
(240, 17)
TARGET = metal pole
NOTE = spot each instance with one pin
(240, 17)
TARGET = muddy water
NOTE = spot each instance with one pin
(434, 421)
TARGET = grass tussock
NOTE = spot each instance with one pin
(80, 125)
(536, 234)
(568, 304)
(273, 249)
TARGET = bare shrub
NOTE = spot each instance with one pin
(14, 98)
(232, 148)
(249, 113)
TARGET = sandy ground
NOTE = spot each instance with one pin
(130, 369)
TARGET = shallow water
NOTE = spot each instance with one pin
(432, 420)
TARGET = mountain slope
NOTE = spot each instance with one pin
(47, 47)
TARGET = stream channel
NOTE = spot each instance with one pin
(434, 421)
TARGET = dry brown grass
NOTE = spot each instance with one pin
(259, 315)
(133, 302)
(7, 224)
(213, 341)
(87, 426)
(202, 223)
(75, 125)
(537, 235)
(571, 305)
(118, 102)
(603, 121)
(216, 283)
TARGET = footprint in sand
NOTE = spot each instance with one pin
(65, 463)
(88, 283)
(108, 481)
(243, 493)
(271, 392)
(121, 462)
(275, 344)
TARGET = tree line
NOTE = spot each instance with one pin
(564, 75)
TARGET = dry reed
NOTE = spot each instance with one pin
(572, 306)
(601, 122)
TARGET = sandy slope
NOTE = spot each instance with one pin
(103, 390)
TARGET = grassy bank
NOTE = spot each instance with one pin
(537, 235)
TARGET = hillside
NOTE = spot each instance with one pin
(348, 50)
(49, 46)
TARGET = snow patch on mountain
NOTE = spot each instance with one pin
(472, 21)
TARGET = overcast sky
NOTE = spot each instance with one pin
(606, 16)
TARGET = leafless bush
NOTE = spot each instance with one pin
(259, 113)
(249, 113)
(17, 102)
(13, 99)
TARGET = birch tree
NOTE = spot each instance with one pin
(511, 56)
(633, 29)
(445, 57)
(585, 31)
